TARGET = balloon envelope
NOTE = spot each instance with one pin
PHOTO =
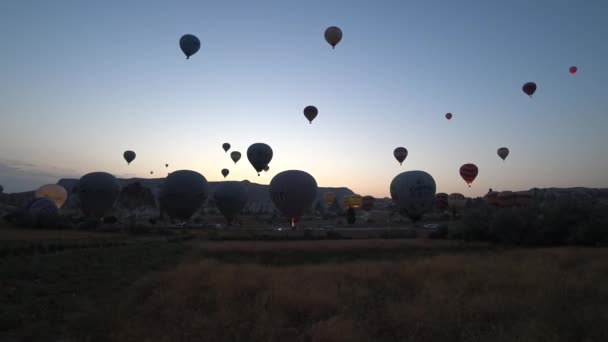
(230, 198)
(441, 201)
(189, 44)
(183, 193)
(259, 155)
(529, 88)
(54, 192)
(333, 35)
(448, 116)
(226, 147)
(235, 156)
(129, 156)
(367, 203)
(225, 172)
(573, 70)
(42, 206)
(329, 198)
(310, 112)
(400, 153)
(503, 152)
(98, 192)
(293, 192)
(456, 201)
(414, 193)
(469, 172)
(266, 168)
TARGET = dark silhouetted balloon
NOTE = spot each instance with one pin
(468, 172)
(54, 192)
(129, 156)
(151, 172)
(230, 198)
(330, 197)
(367, 203)
(98, 192)
(573, 70)
(292, 193)
(441, 201)
(42, 206)
(189, 44)
(225, 172)
(529, 88)
(448, 116)
(235, 156)
(310, 113)
(166, 165)
(400, 154)
(266, 168)
(333, 35)
(414, 193)
(226, 147)
(503, 152)
(183, 193)
(259, 155)
(456, 201)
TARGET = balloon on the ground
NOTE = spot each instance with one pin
(259, 155)
(329, 198)
(414, 193)
(333, 35)
(506, 199)
(441, 201)
(456, 201)
(183, 193)
(54, 192)
(492, 198)
(529, 88)
(129, 156)
(42, 206)
(292, 193)
(225, 172)
(226, 147)
(367, 203)
(448, 116)
(235, 156)
(310, 112)
(230, 198)
(98, 192)
(400, 153)
(503, 152)
(355, 201)
(469, 172)
(189, 44)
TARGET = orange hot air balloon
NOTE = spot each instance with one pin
(355, 201)
(573, 70)
(469, 172)
(448, 116)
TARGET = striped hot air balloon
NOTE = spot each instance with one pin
(469, 172)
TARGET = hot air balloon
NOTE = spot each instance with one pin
(129, 156)
(310, 112)
(441, 201)
(400, 154)
(448, 116)
(355, 201)
(492, 198)
(235, 156)
(456, 201)
(54, 192)
(292, 193)
(329, 198)
(98, 192)
(226, 147)
(259, 155)
(151, 172)
(506, 199)
(266, 168)
(183, 193)
(333, 35)
(529, 88)
(230, 198)
(225, 172)
(42, 206)
(166, 165)
(468, 172)
(573, 70)
(414, 193)
(346, 201)
(503, 152)
(367, 203)
(189, 44)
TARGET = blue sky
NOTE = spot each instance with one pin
(82, 81)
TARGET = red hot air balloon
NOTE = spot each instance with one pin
(573, 70)
(400, 154)
(529, 88)
(468, 172)
(448, 116)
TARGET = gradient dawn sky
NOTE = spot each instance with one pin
(83, 81)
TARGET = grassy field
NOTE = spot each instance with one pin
(346, 290)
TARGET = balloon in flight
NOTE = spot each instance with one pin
(310, 112)
(333, 35)
(573, 70)
(230, 198)
(54, 192)
(129, 156)
(292, 193)
(259, 155)
(235, 156)
(400, 153)
(469, 172)
(166, 165)
(448, 116)
(183, 193)
(226, 147)
(189, 44)
(98, 192)
(529, 88)
(266, 168)
(414, 193)
(225, 172)
(503, 152)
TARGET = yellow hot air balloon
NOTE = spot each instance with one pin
(54, 192)
(346, 201)
(355, 201)
(329, 198)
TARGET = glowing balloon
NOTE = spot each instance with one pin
(225, 172)
(230, 198)
(355, 201)
(292, 193)
(189, 44)
(448, 116)
(529, 88)
(469, 172)
(54, 192)
(573, 70)
(333, 35)
(235, 156)
(400, 153)
(183, 193)
(259, 155)
(310, 113)
(503, 152)
(226, 147)
(129, 156)
(98, 192)
(414, 193)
